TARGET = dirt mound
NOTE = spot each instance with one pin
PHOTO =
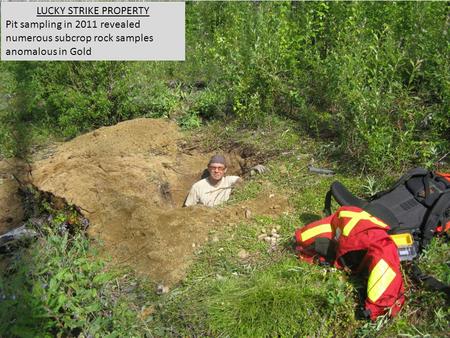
(11, 211)
(130, 181)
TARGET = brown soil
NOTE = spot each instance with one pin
(11, 212)
(130, 181)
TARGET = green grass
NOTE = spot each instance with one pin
(285, 299)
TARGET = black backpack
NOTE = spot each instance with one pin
(417, 203)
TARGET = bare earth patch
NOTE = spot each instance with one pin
(11, 211)
(130, 181)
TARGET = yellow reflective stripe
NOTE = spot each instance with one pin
(378, 222)
(379, 280)
(317, 230)
(355, 217)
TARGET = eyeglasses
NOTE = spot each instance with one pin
(216, 168)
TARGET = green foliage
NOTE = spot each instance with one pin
(72, 97)
(8, 146)
(156, 100)
(13, 138)
(190, 121)
(435, 260)
(248, 191)
(371, 186)
(208, 103)
(373, 78)
(377, 87)
(57, 287)
(203, 105)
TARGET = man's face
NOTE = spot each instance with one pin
(217, 171)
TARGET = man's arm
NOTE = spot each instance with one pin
(238, 182)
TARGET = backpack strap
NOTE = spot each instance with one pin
(430, 282)
(342, 196)
(383, 213)
(402, 180)
(435, 217)
(327, 206)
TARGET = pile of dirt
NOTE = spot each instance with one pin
(11, 211)
(130, 181)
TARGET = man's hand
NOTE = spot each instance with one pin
(239, 183)
(257, 169)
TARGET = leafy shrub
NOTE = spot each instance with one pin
(370, 77)
(158, 100)
(79, 96)
(208, 104)
(379, 88)
(190, 121)
(57, 287)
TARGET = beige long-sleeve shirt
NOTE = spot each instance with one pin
(203, 192)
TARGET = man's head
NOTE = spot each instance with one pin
(217, 167)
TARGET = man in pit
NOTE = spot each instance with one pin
(214, 189)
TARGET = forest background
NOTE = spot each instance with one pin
(370, 79)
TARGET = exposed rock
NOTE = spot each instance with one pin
(243, 255)
(162, 289)
(262, 237)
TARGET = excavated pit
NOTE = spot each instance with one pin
(130, 180)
